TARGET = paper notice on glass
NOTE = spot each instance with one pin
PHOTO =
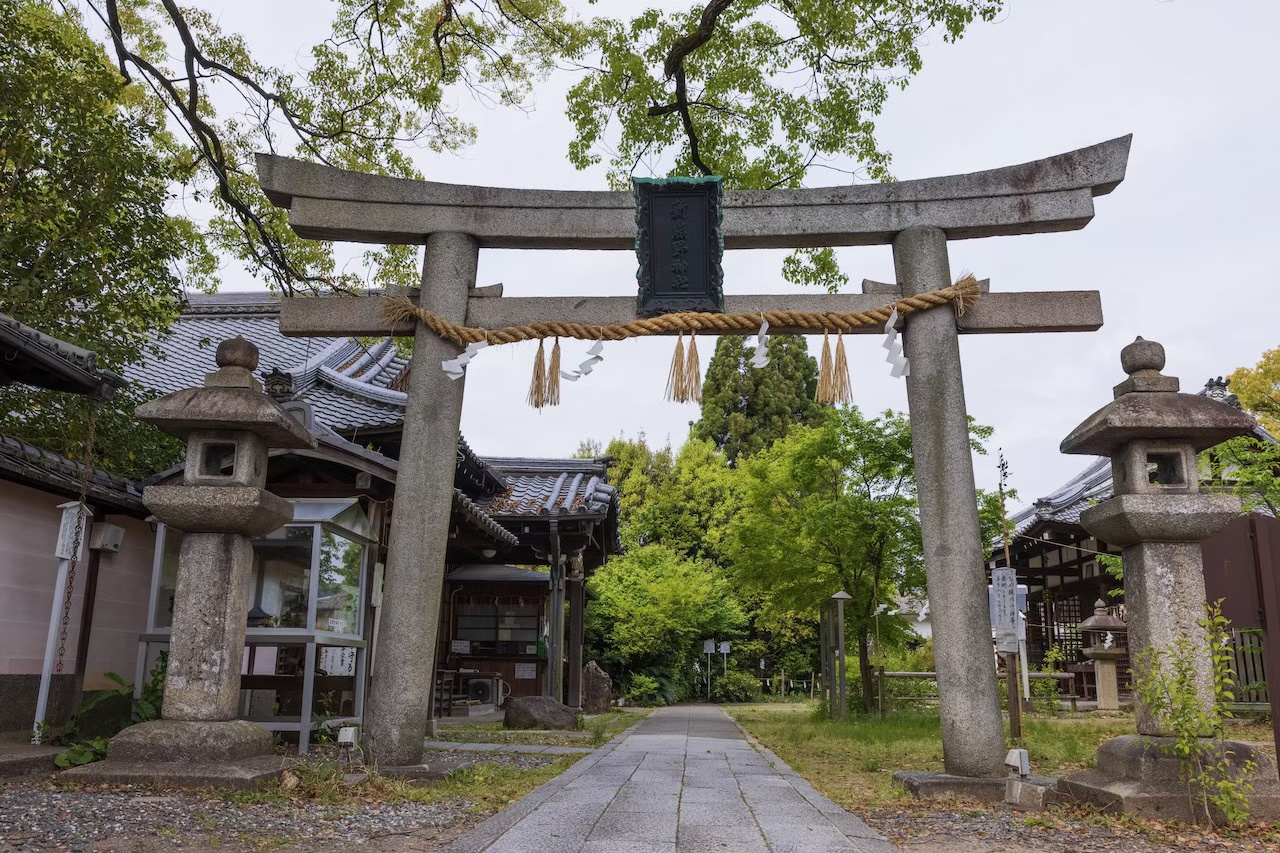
(526, 671)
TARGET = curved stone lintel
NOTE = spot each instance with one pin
(1052, 194)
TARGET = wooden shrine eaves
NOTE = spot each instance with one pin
(1050, 311)
(1052, 194)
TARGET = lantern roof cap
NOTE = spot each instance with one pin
(1148, 407)
(1101, 620)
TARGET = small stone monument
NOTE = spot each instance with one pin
(1104, 653)
(229, 424)
(597, 690)
(1159, 516)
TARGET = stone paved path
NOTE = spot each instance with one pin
(684, 779)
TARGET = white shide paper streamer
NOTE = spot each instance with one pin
(593, 358)
(456, 368)
(761, 357)
(901, 366)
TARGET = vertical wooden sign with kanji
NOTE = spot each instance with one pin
(679, 244)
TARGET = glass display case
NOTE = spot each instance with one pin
(304, 616)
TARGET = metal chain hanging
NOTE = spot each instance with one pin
(82, 523)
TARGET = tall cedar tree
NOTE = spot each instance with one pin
(745, 410)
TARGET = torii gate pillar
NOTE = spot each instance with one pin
(972, 730)
(403, 670)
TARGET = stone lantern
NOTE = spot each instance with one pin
(1159, 516)
(1098, 634)
(1157, 513)
(229, 425)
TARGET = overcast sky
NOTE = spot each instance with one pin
(1184, 251)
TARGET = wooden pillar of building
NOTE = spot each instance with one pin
(577, 627)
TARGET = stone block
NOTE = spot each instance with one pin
(245, 774)
(1031, 793)
(1140, 776)
(246, 510)
(929, 785)
(597, 690)
(190, 741)
(539, 712)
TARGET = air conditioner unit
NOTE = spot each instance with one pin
(481, 690)
(106, 537)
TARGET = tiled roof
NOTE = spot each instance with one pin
(482, 521)
(351, 387)
(34, 358)
(27, 463)
(535, 486)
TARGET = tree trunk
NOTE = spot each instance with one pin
(864, 671)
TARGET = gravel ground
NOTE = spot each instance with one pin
(975, 830)
(37, 817)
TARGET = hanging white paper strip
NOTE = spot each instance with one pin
(456, 368)
(584, 369)
(901, 366)
(761, 357)
(924, 611)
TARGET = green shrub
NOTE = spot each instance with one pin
(643, 690)
(736, 686)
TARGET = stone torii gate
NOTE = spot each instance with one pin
(916, 217)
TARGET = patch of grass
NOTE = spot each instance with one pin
(852, 762)
(488, 787)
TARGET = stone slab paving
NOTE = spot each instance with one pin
(684, 780)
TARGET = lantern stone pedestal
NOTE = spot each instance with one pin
(221, 504)
(1159, 517)
(1105, 677)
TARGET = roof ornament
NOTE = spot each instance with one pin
(278, 385)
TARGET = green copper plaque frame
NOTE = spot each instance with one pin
(679, 245)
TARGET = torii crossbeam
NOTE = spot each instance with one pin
(916, 217)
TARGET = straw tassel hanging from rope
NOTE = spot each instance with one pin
(825, 393)
(553, 376)
(842, 387)
(675, 379)
(692, 372)
(833, 373)
(538, 385)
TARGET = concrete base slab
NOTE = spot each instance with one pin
(929, 785)
(244, 774)
(1140, 776)
(25, 759)
(1031, 793)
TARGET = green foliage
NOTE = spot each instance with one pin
(1258, 389)
(643, 690)
(735, 686)
(142, 709)
(771, 92)
(382, 83)
(745, 409)
(653, 608)
(84, 752)
(1049, 689)
(828, 508)
(1165, 682)
(1247, 466)
(88, 251)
